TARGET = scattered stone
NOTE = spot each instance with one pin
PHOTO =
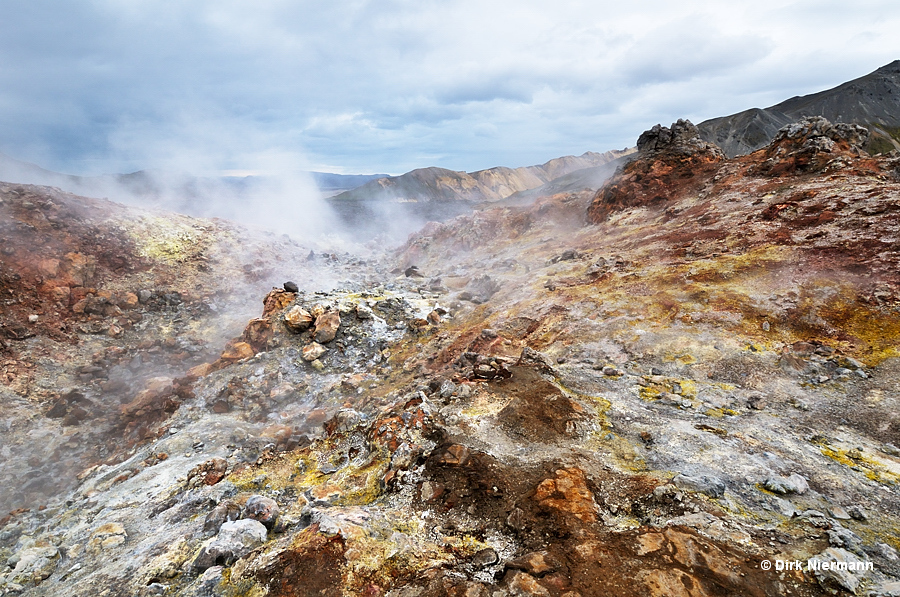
(263, 509)
(839, 513)
(209, 473)
(517, 519)
(568, 492)
(312, 351)
(225, 511)
(484, 558)
(235, 540)
(534, 358)
(327, 325)
(291, 287)
(455, 455)
(787, 485)
(834, 577)
(237, 351)
(430, 491)
(839, 536)
(888, 552)
(447, 389)
(537, 563)
(707, 485)
(107, 536)
(297, 319)
(756, 401)
(857, 513)
(890, 449)
(520, 584)
(33, 564)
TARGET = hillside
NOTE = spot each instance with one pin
(439, 185)
(872, 101)
(659, 388)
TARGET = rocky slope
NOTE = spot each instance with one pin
(657, 389)
(872, 101)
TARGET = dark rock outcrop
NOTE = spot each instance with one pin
(668, 160)
(811, 145)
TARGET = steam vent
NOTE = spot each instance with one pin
(684, 383)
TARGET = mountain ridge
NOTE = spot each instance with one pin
(872, 100)
(492, 184)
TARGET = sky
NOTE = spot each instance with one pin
(227, 87)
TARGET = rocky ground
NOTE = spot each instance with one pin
(659, 389)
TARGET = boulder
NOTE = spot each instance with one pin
(707, 485)
(262, 509)
(297, 319)
(327, 325)
(786, 485)
(235, 540)
(312, 351)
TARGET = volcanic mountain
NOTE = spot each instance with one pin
(872, 101)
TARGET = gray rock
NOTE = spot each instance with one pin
(857, 513)
(33, 564)
(886, 589)
(839, 513)
(235, 540)
(890, 449)
(447, 388)
(484, 558)
(787, 485)
(226, 511)
(711, 486)
(530, 356)
(838, 536)
(841, 579)
(888, 552)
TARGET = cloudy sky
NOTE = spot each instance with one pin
(364, 86)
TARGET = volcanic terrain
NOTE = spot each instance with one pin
(660, 388)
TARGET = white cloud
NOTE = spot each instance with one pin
(365, 85)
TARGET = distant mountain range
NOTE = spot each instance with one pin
(154, 183)
(439, 185)
(872, 101)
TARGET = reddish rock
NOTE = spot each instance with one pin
(297, 319)
(237, 351)
(568, 492)
(669, 164)
(277, 300)
(327, 325)
(200, 370)
(536, 563)
(312, 351)
(521, 584)
(258, 333)
(210, 472)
